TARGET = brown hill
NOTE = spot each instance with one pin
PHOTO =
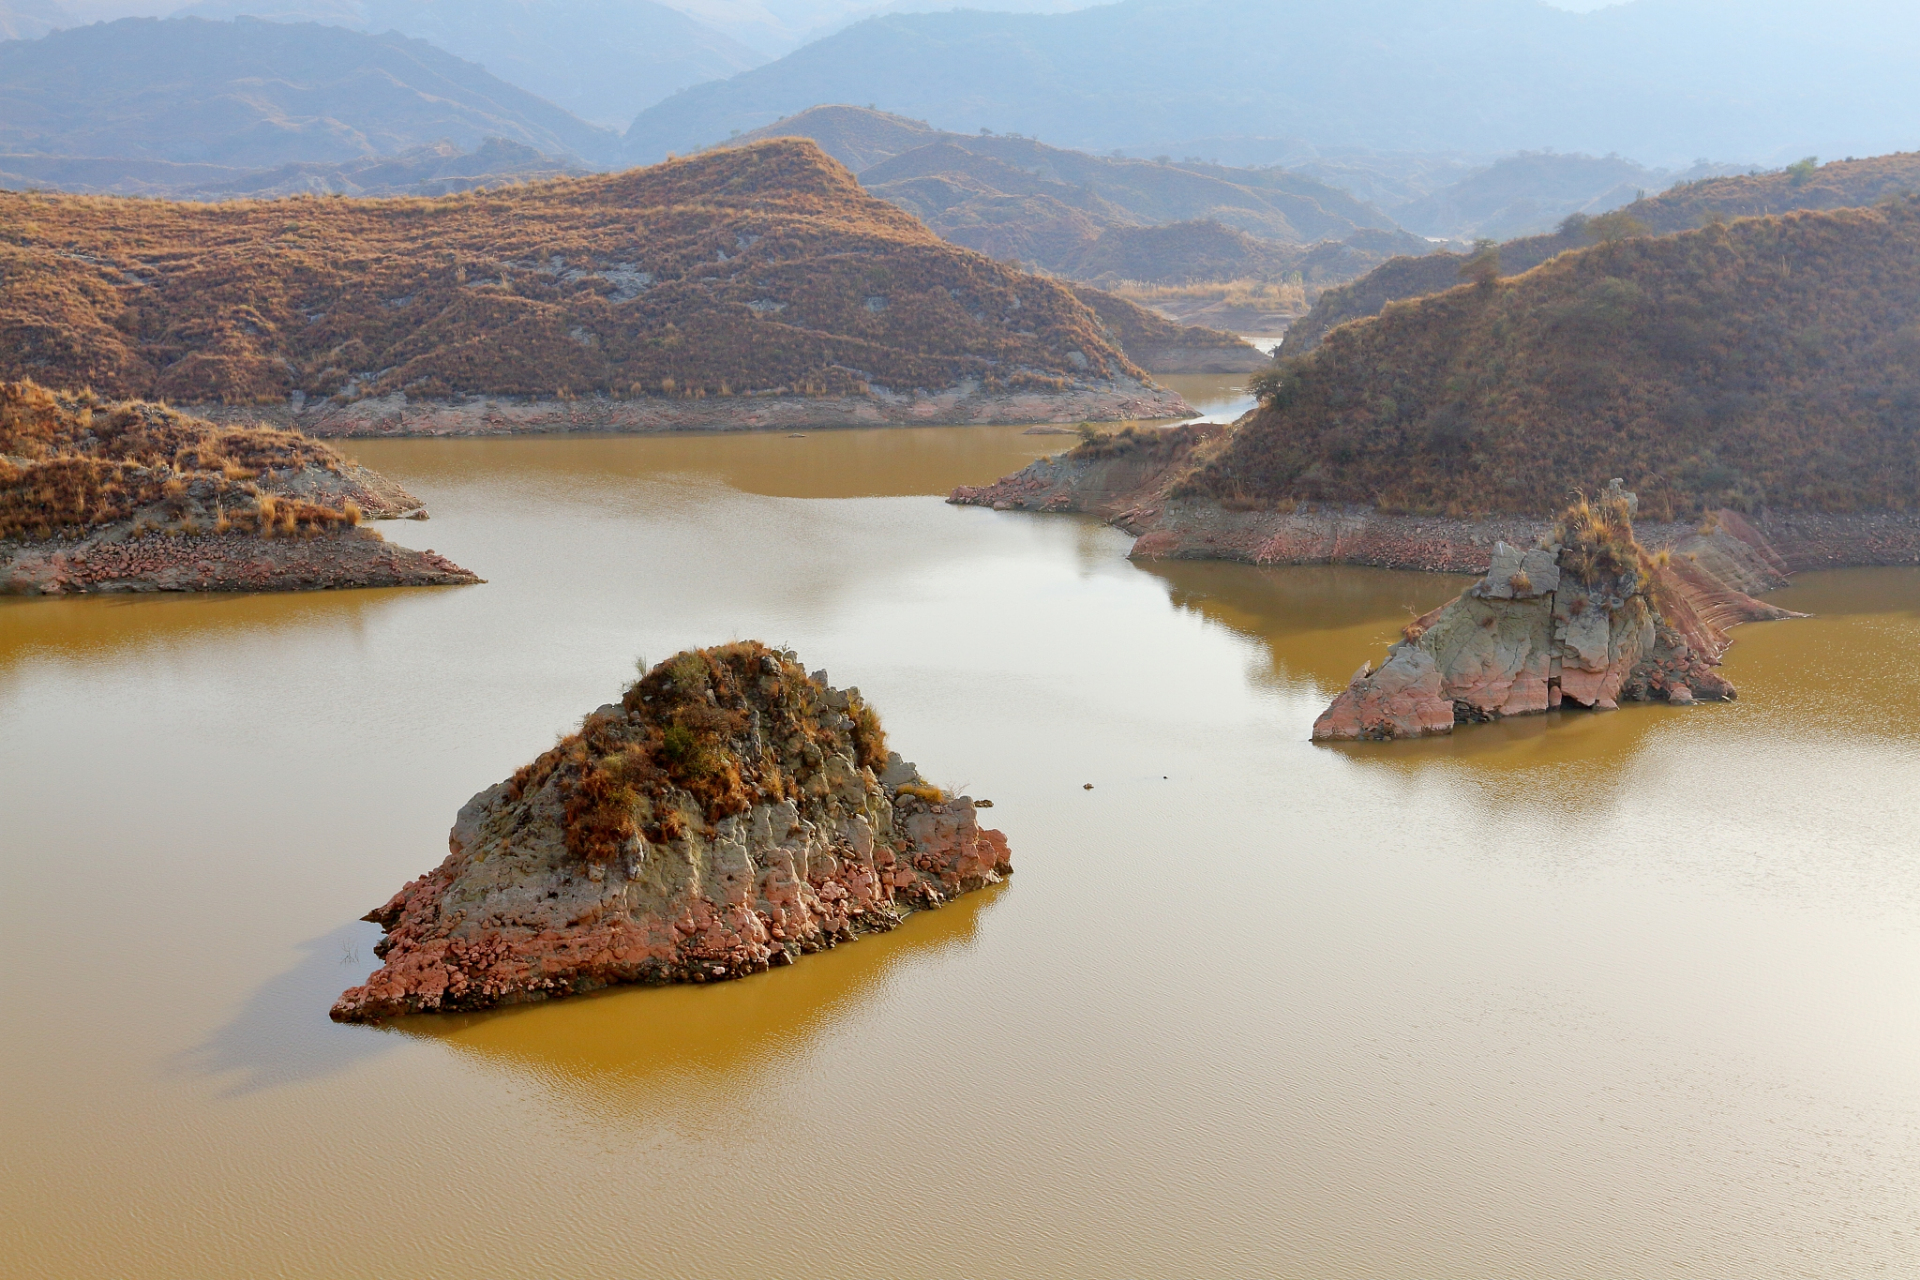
(97, 495)
(1166, 346)
(1767, 362)
(1844, 184)
(761, 269)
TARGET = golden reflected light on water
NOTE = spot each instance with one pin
(1629, 994)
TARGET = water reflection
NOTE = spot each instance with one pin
(1319, 622)
(623, 1044)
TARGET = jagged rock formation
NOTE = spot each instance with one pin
(730, 813)
(1585, 617)
(104, 496)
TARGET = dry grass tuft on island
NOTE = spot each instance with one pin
(98, 495)
(756, 273)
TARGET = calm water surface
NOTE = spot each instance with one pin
(1585, 995)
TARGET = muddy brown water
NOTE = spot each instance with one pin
(1627, 994)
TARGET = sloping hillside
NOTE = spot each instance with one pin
(1841, 185)
(1530, 193)
(1661, 80)
(435, 170)
(1772, 361)
(603, 60)
(753, 270)
(1180, 253)
(1165, 346)
(910, 162)
(257, 94)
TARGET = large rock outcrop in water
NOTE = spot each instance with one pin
(1586, 617)
(730, 813)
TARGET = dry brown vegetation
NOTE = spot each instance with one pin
(722, 725)
(74, 462)
(1137, 329)
(1770, 361)
(758, 269)
(1843, 184)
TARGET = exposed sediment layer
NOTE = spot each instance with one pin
(1585, 617)
(121, 562)
(1131, 492)
(731, 813)
(395, 415)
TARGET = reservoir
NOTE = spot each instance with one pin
(1599, 994)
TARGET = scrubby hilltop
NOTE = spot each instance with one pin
(1843, 184)
(1769, 362)
(763, 270)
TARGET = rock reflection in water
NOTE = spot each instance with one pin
(621, 1046)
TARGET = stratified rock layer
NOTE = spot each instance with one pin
(731, 813)
(1585, 618)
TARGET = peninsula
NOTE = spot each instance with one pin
(1762, 371)
(98, 495)
(729, 814)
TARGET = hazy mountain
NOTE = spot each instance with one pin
(777, 27)
(31, 19)
(433, 170)
(603, 60)
(1534, 192)
(1018, 198)
(252, 93)
(1663, 80)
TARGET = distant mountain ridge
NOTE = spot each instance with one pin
(249, 93)
(1093, 218)
(1664, 80)
(603, 60)
(434, 170)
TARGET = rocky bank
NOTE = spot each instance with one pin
(1585, 617)
(964, 405)
(1131, 478)
(730, 813)
(104, 496)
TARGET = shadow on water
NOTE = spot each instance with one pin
(282, 1035)
(622, 1044)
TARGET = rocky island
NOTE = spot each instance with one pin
(750, 288)
(98, 495)
(1586, 617)
(730, 813)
